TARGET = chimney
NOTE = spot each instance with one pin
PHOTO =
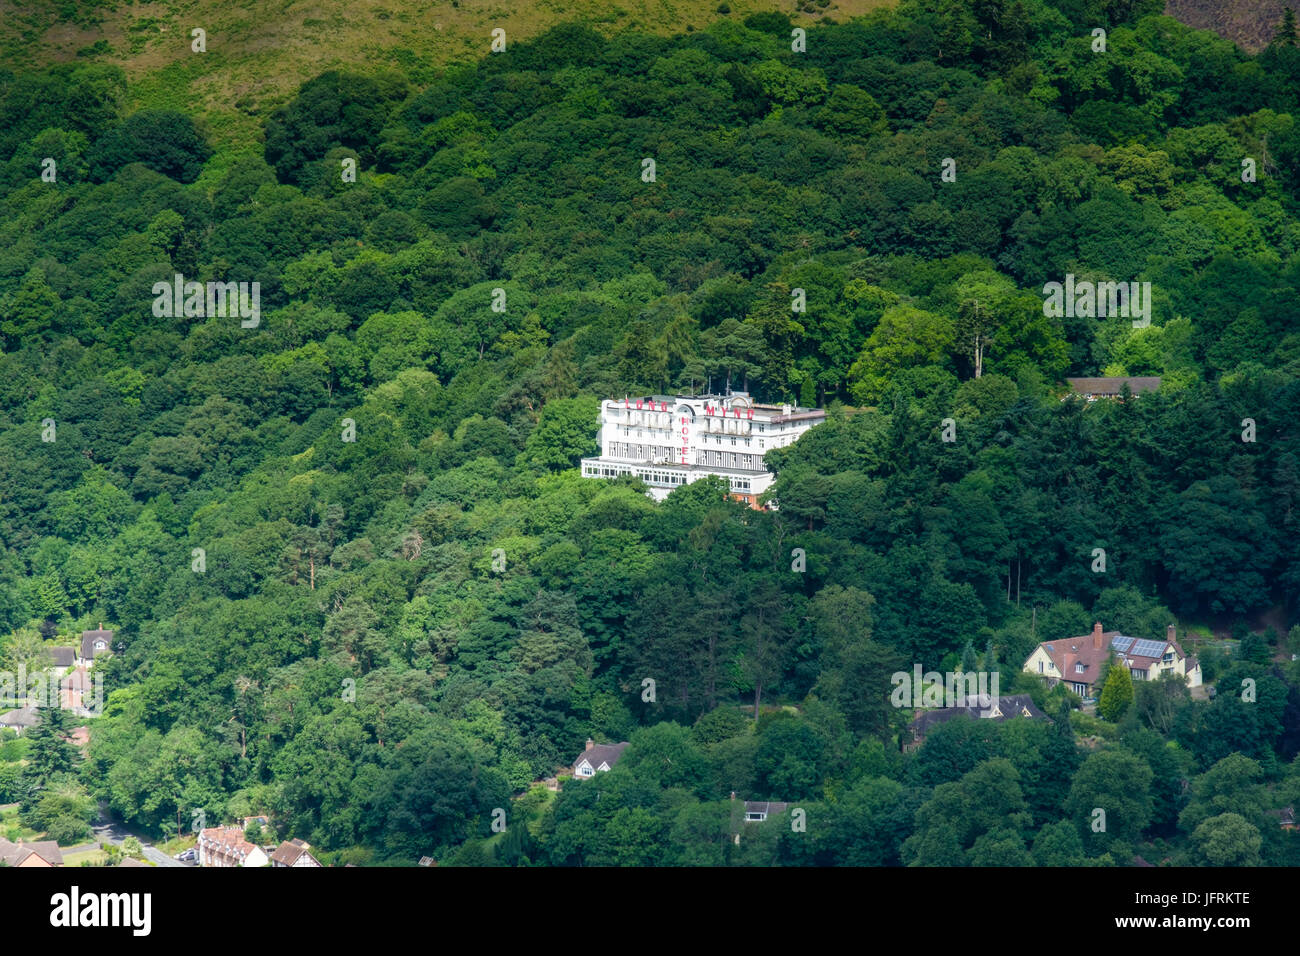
(101, 625)
(590, 743)
(1096, 635)
(733, 795)
(1171, 633)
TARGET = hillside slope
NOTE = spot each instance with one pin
(1248, 23)
(258, 53)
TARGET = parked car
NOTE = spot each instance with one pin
(188, 856)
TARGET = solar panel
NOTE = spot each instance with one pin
(1121, 643)
(1149, 648)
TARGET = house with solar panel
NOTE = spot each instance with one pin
(1078, 660)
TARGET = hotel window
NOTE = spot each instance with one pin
(762, 427)
(733, 443)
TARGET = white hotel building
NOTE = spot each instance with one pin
(671, 440)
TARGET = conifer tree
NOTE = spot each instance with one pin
(1117, 694)
(1286, 31)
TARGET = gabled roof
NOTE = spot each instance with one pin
(1139, 653)
(290, 851)
(90, 638)
(227, 840)
(601, 754)
(15, 853)
(63, 656)
(47, 849)
(766, 807)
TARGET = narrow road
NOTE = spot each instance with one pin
(112, 833)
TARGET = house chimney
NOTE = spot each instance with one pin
(1171, 633)
(1096, 635)
(590, 743)
(101, 625)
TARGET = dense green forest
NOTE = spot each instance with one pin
(357, 582)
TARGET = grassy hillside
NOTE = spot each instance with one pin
(259, 52)
(1248, 23)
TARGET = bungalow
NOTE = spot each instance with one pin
(95, 644)
(39, 853)
(20, 720)
(1001, 708)
(293, 853)
(226, 846)
(1078, 660)
(597, 757)
(1095, 388)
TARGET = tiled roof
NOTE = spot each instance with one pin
(227, 843)
(288, 852)
(15, 853)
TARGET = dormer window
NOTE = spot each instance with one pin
(1078, 668)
